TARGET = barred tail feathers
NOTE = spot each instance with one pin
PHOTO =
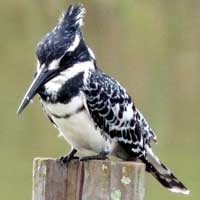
(163, 174)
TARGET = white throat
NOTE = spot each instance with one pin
(56, 83)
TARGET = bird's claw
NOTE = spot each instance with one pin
(101, 156)
(66, 158)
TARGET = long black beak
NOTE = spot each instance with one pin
(40, 79)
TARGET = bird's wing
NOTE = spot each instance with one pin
(114, 112)
(147, 132)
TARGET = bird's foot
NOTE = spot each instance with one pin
(100, 156)
(70, 156)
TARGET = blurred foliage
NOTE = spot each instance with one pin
(152, 47)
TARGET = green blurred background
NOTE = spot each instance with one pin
(152, 47)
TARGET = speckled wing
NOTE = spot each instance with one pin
(146, 131)
(114, 113)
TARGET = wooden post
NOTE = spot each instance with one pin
(96, 180)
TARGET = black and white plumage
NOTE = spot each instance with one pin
(91, 110)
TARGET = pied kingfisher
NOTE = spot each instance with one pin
(91, 110)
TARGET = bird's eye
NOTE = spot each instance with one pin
(66, 59)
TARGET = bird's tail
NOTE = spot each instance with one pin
(162, 173)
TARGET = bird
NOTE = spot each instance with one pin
(91, 110)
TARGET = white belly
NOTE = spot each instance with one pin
(78, 129)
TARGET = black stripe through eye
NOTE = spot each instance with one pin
(67, 60)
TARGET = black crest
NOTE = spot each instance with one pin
(55, 43)
(73, 17)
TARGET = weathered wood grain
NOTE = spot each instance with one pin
(96, 180)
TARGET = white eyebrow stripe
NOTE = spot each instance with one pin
(75, 43)
(55, 63)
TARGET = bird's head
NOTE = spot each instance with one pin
(59, 50)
